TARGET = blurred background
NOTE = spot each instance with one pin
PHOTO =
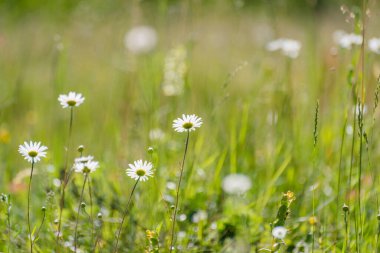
(140, 65)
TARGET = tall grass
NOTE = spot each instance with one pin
(255, 106)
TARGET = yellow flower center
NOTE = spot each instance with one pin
(86, 169)
(32, 153)
(187, 125)
(71, 102)
(140, 172)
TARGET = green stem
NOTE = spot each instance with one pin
(65, 179)
(29, 190)
(77, 219)
(346, 231)
(42, 223)
(178, 189)
(340, 167)
(91, 213)
(125, 215)
(98, 236)
(9, 223)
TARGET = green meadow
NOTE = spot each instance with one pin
(285, 158)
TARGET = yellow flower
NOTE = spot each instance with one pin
(5, 136)
(313, 220)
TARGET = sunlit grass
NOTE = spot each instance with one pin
(263, 137)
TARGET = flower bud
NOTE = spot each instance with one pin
(80, 148)
(345, 208)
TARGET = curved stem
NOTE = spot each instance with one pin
(42, 223)
(98, 236)
(77, 219)
(30, 186)
(65, 179)
(9, 223)
(125, 215)
(178, 188)
(91, 213)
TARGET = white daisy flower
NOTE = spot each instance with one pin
(199, 216)
(288, 47)
(140, 170)
(141, 39)
(83, 159)
(347, 40)
(236, 184)
(86, 167)
(156, 134)
(70, 100)
(32, 151)
(187, 123)
(374, 45)
(279, 232)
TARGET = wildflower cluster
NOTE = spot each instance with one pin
(174, 71)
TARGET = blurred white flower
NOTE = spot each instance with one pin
(70, 100)
(301, 247)
(86, 167)
(349, 130)
(140, 170)
(288, 47)
(32, 151)
(156, 134)
(171, 185)
(347, 40)
(181, 235)
(187, 123)
(236, 184)
(83, 159)
(56, 182)
(168, 198)
(199, 216)
(374, 45)
(279, 232)
(141, 39)
(175, 71)
(182, 217)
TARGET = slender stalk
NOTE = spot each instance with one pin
(30, 186)
(65, 179)
(42, 223)
(313, 225)
(346, 231)
(125, 215)
(361, 116)
(340, 165)
(98, 236)
(377, 236)
(91, 213)
(315, 135)
(9, 223)
(178, 189)
(360, 123)
(352, 152)
(356, 233)
(77, 219)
